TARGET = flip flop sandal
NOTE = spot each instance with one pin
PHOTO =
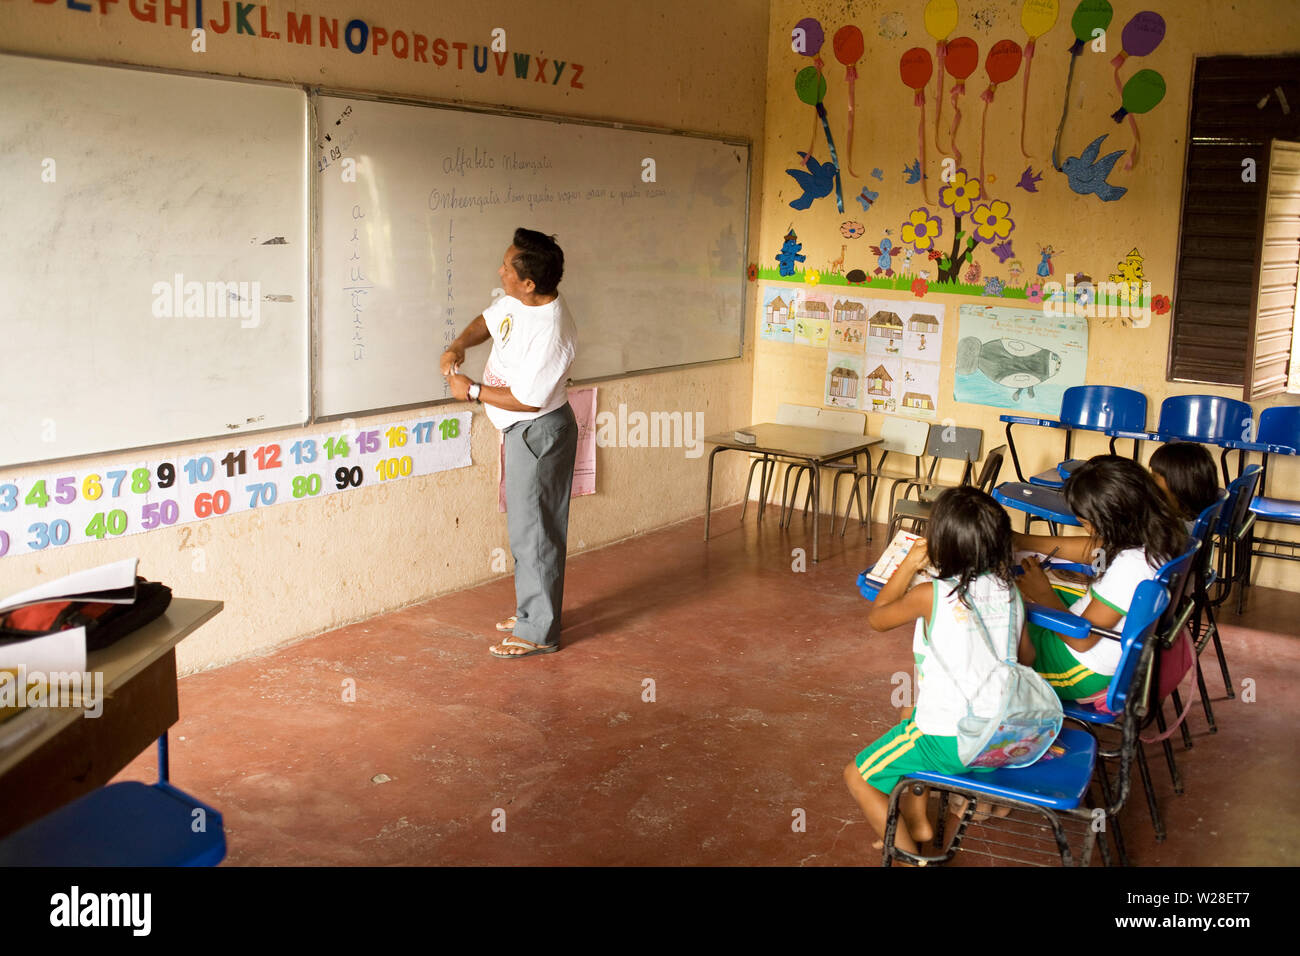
(508, 624)
(531, 648)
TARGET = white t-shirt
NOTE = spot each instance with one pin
(532, 349)
(1115, 589)
(954, 631)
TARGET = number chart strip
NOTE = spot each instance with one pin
(60, 506)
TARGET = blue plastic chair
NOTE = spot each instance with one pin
(1087, 408)
(1278, 434)
(1175, 577)
(1055, 787)
(1037, 502)
(1209, 419)
(123, 824)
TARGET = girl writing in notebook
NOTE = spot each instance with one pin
(1130, 530)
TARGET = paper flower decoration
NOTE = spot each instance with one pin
(1035, 292)
(1160, 304)
(920, 287)
(752, 271)
(992, 221)
(992, 286)
(921, 229)
(852, 230)
(959, 194)
(812, 277)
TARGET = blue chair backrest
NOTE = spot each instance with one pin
(1104, 406)
(1149, 603)
(1280, 426)
(1174, 576)
(1209, 518)
(1240, 493)
(1205, 418)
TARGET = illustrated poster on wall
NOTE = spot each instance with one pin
(61, 504)
(1019, 358)
(904, 345)
(843, 379)
(776, 324)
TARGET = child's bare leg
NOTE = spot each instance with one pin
(876, 807)
(914, 810)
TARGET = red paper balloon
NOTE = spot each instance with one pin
(848, 45)
(963, 56)
(916, 67)
(1003, 61)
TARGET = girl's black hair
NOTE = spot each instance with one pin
(1126, 509)
(1190, 473)
(969, 535)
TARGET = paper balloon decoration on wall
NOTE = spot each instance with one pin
(1037, 17)
(848, 50)
(1142, 34)
(962, 60)
(807, 38)
(810, 87)
(1001, 64)
(916, 68)
(1089, 15)
(940, 21)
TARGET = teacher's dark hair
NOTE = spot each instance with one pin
(1126, 509)
(540, 258)
(969, 535)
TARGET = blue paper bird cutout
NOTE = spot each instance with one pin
(816, 181)
(1029, 180)
(1087, 174)
(867, 197)
(878, 173)
(913, 172)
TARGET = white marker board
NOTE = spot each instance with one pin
(412, 230)
(113, 181)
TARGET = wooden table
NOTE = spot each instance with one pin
(59, 754)
(816, 446)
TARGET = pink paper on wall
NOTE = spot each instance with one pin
(583, 401)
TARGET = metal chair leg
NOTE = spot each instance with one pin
(1168, 748)
(1156, 823)
(1178, 709)
(1205, 698)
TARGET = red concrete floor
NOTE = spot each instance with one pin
(766, 682)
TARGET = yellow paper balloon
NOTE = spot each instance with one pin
(1039, 16)
(941, 18)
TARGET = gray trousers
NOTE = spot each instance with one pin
(540, 455)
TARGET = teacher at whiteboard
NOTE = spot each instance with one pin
(533, 346)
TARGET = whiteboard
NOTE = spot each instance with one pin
(113, 183)
(417, 205)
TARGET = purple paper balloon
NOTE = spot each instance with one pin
(1143, 33)
(814, 36)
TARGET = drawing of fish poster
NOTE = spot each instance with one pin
(1019, 358)
(904, 346)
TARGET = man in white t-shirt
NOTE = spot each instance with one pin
(523, 391)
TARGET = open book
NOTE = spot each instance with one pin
(892, 557)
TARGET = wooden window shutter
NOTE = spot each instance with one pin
(1235, 114)
(1279, 270)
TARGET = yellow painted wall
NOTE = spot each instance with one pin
(297, 569)
(1093, 235)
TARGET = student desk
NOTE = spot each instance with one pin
(816, 446)
(63, 754)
